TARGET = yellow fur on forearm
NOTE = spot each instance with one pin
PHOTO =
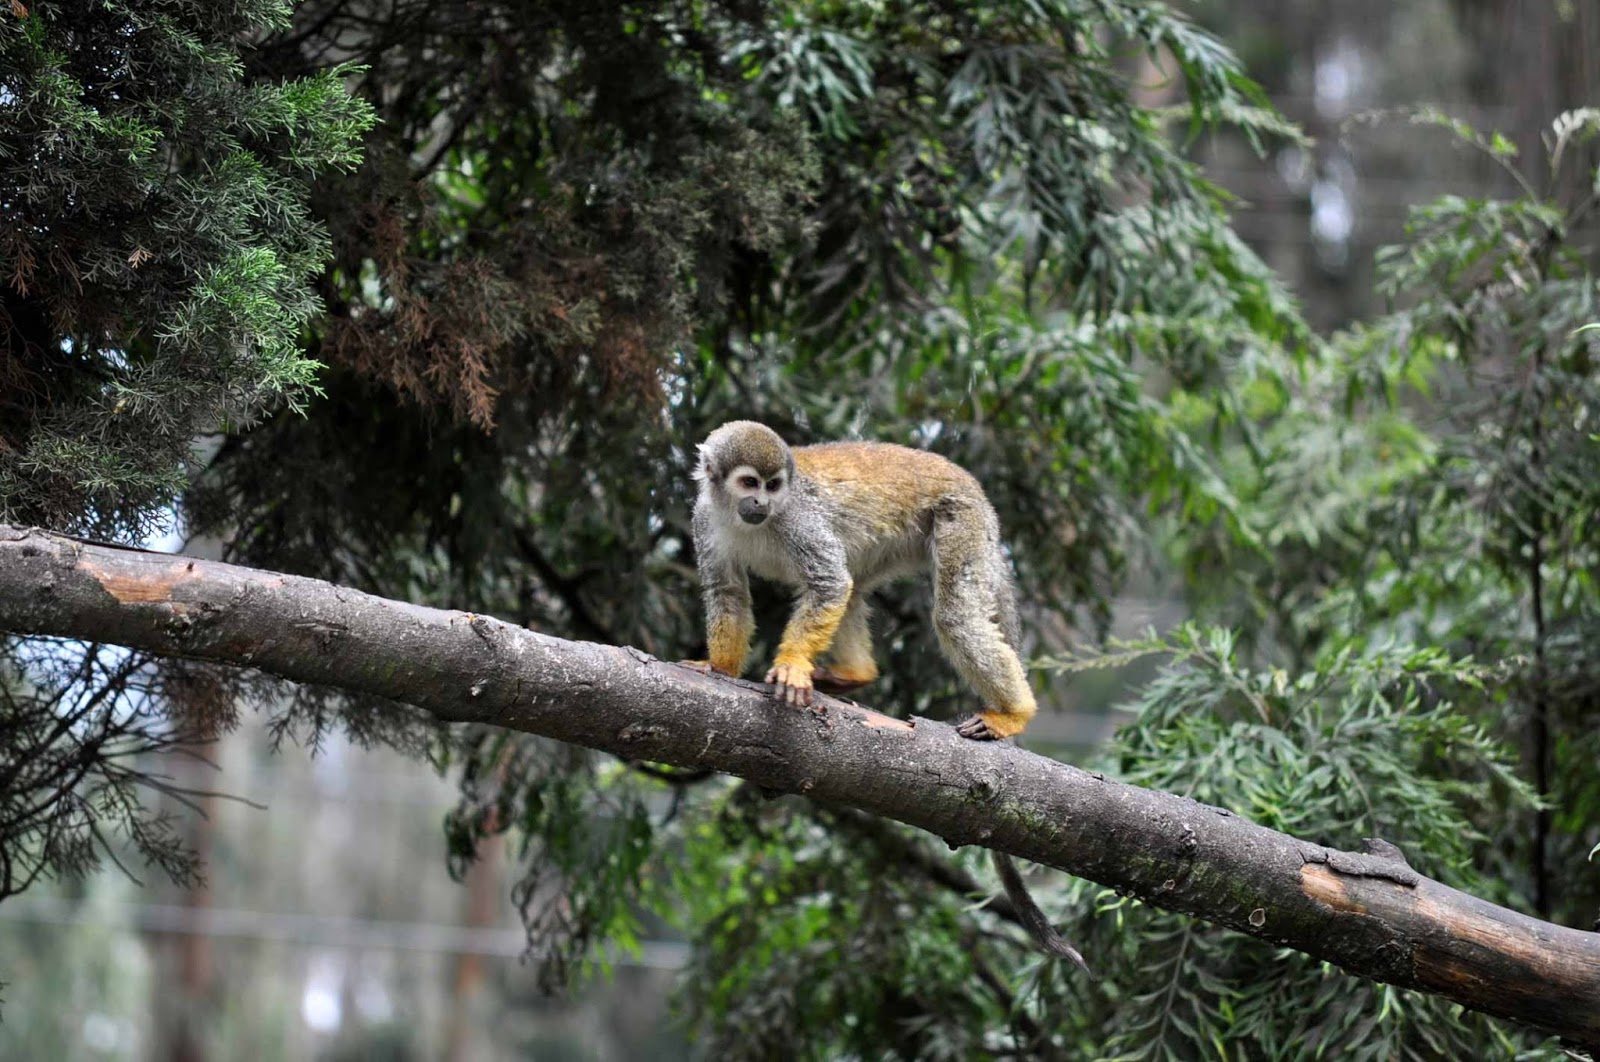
(809, 634)
(728, 642)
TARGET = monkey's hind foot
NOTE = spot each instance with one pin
(830, 681)
(976, 728)
(992, 725)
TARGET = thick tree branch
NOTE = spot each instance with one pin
(1367, 912)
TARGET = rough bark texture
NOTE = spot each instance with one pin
(1367, 912)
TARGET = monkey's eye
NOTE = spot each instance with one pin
(749, 482)
(775, 484)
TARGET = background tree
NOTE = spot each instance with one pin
(157, 250)
(583, 234)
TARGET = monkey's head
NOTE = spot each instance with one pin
(748, 468)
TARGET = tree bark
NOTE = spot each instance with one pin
(1369, 912)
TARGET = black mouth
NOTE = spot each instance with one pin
(753, 518)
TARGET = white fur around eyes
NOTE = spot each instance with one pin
(739, 473)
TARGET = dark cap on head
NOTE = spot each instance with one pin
(744, 442)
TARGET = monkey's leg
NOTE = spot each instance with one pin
(970, 599)
(852, 665)
(729, 644)
(808, 635)
(729, 622)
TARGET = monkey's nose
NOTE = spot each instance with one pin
(752, 511)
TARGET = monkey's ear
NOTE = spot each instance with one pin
(702, 467)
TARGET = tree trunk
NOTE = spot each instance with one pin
(1368, 912)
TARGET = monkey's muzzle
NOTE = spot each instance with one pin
(752, 511)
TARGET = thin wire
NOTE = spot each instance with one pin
(320, 931)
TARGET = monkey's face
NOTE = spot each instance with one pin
(748, 469)
(756, 495)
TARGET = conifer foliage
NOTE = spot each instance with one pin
(155, 246)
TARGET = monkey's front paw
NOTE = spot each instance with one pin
(791, 683)
(705, 667)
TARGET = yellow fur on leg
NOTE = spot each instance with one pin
(1004, 724)
(728, 642)
(808, 636)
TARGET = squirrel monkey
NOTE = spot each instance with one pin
(837, 520)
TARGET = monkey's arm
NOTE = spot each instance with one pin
(729, 619)
(825, 586)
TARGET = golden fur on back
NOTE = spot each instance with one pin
(882, 483)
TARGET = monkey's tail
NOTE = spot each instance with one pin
(1033, 919)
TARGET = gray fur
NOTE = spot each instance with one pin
(722, 578)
